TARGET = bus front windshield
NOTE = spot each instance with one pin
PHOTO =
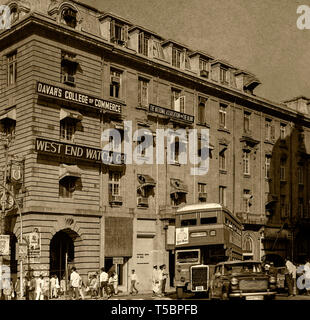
(187, 256)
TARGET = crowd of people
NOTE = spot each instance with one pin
(159, 279)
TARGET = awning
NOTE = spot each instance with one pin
(276, 233)
(9, 115)
(177, 186)
(69, 171)
(145, 181)
(65, 113)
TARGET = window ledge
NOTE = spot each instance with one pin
(175, 164)
(222, 171)
(140, 107)
(223, 129)
(207, 125)
(246, 175)
(117, 100)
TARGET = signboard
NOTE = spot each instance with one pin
(34, 243)
(22, 251)
(77, 97)
(4, 245)
(181, 236)
(118, 260)
(171, 113)
(62, 149)
(16, 172)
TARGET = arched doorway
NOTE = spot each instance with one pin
(62, 252)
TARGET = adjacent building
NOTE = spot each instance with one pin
(68, 72)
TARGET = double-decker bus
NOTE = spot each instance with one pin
(205, 234)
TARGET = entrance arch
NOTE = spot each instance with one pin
(62, 251)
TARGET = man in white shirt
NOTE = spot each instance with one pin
(39, 288)
(104, 278)
(291, 276)
(155, 280)
(133, 281)
(75, 282)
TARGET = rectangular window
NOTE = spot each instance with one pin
(267, 166)
(203, 65)
(222, 158)
(269, 127)
(114, 183)
(12, 68)
(209, 220)
(282, 169)
(143, 92)
(202, 110)
(67, 187)
(224, 76)
(177, 101)
(115, 83)
(176, 57)
(68, 68)
(246, 121)
(67, 129)
(222, 195)
(246, 163)
(118, 32)
(222, 115)
(282, 131)
(202, 192)
(144, 43)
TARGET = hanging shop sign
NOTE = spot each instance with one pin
(4, 245)
(171, 113)
(34, 243)
(22, 251)
(16, 172)
(118, 260)
(62, 149)
(77, 97)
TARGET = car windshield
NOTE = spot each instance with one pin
(187, 256)
(243, 268)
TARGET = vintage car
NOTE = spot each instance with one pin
(242, 279)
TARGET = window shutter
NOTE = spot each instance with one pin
(182, 104)
(272, 132)
(177, 104)
(125, 33)
(112, 29)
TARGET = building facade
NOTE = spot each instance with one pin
(69, 72)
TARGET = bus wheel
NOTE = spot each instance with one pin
(179, 292)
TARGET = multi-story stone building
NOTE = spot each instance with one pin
(68, 72)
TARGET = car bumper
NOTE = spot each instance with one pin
(250, 294)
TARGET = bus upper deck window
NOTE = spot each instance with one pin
(210, 220)
(188, 222)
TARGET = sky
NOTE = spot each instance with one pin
(260, 36)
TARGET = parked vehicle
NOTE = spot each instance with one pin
(241, 279)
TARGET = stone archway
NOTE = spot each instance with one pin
(63, 251)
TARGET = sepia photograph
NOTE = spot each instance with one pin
(154, 150)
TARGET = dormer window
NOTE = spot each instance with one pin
(203, 68)
(69, 17)
(158, 51)
(144, 43)
(118, 33)
(176, 57)
(224, 75)
(14, 15)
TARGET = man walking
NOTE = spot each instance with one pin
(75, 283)
(104, 278)
(133, 281)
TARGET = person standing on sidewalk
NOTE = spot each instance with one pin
(155, 281)
(291, 274)
(133, 282)
(104, 278)
(39, 288)
(75, 283)
(165, 276)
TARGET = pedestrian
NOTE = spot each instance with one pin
(160, 279)
(110, 286)
(155, 281)
(63, 286)
(81, 288)
(93, 286)
(104, 278)
(75, 283)
(165, 277)
(39, 288)
(289, 277)
(54, 283)
(32, 287)
(133, 282)
(46, 288)
(115, 283)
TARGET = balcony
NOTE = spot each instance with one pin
(251, 218)
(143, 202)
(115, 200)
(167, 212)
(202, 196)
